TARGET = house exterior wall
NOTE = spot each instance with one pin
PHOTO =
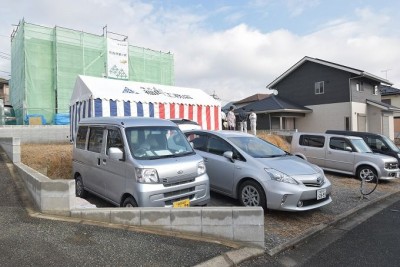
(300, 85)
(324, 117)
(367, 91)
(374, 116)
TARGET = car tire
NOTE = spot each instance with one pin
(79, 187)
(364, 172)
(129, 202)
(252, 194)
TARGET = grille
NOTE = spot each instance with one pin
(310, 202)
(167, 184)
(179, 192)
(314, 184)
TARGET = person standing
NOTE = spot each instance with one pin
(253, 122)
(224, 122)
(231, 119)
(243, 121)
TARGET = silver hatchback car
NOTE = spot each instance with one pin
(259, 173)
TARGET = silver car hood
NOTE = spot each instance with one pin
(290, 165)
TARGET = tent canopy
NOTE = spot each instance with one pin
(100, 97)
(109, 89)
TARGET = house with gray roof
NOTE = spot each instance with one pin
(339, 97)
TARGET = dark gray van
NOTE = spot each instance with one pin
(377, 142)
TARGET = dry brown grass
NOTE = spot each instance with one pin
(276, 140)
(52, 160)
(55, 160)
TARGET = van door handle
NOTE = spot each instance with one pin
(104, 161)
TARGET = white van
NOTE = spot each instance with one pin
(143, 162)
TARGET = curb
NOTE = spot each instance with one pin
(232, 258)
(321, 227)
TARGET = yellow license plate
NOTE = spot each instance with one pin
(181, 203)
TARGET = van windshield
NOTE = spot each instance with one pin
(155, 142)
(390, 144)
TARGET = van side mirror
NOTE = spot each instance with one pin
(116, 153)
(228, 155)
(348, 148)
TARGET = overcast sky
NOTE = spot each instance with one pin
(233, 48)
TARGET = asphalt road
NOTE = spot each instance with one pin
(29, 241)
(370, 238)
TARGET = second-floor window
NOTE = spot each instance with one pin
(376, 90)
(319, 88)
(359, 87)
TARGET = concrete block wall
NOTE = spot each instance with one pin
(50, 196)
(12, 148)
(241, 224)
(37, 133)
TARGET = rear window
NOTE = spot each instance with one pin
(312, 140)
(81, 137)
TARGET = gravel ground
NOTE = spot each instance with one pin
(281, 227)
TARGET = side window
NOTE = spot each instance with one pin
(218, 146)
(81, 137)
(114, 139)
(95, 139)
(312, 140)
(338, 143)
(199, 141)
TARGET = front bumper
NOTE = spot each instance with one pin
(290, 197)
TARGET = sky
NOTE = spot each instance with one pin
(232, 49)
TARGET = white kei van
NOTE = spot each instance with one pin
(132, 162)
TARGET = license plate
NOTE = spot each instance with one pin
(321, 194)
(181, 203)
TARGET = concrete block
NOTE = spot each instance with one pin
(222, 231)
(195, 229)
(125, 216)
(56, 188)
(248, 216)
(100, 215)
(216, 216)
(186, 216)
(54, 203)
(76, 213)
(248, 233)
(157, 216)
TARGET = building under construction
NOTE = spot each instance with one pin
(45, 63)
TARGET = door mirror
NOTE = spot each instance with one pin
(116, 153)
(348, 148)
(228, 155)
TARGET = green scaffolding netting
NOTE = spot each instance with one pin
(46, 61)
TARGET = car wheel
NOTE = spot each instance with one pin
(129, 202)
(366, 173)
(252, 194)
(79, 188)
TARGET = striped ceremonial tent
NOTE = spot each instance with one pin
(101, 97)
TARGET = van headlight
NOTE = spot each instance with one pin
(201, 168)
(147, 176)
(280, 176)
